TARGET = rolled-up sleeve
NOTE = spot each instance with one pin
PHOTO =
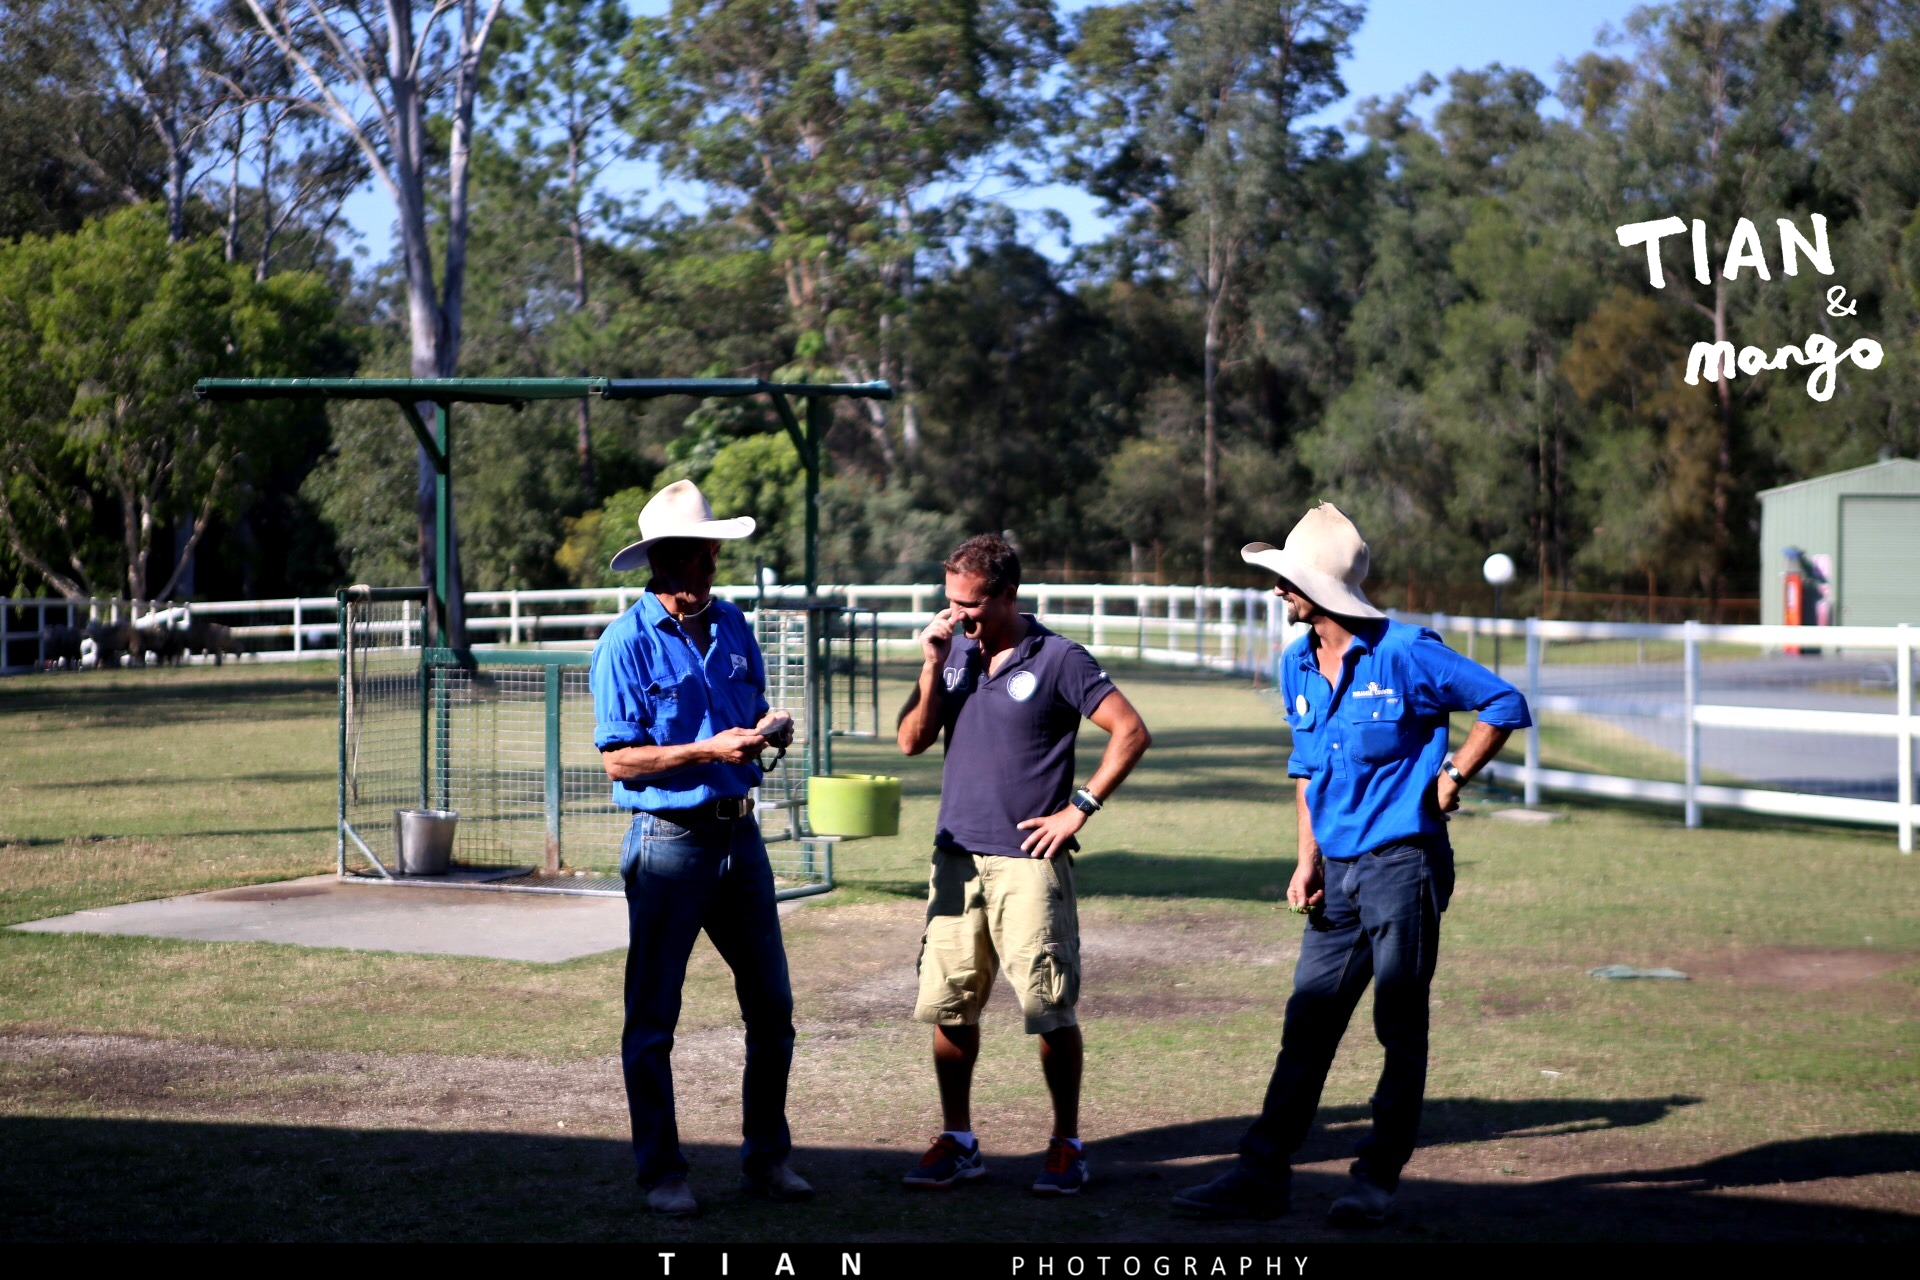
(622, 714)
(1443, 681)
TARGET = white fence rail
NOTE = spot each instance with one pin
(1693, 715)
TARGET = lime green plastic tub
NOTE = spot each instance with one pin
(853, 804)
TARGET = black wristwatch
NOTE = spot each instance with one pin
(1447, 767)
(1085, 801)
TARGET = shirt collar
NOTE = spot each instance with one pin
(656, 613)
(1365, 640)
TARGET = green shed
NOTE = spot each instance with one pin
(1861, 528)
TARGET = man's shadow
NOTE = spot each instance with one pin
(97, 1179)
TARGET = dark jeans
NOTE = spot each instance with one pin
(712, 875)
(1381, 923)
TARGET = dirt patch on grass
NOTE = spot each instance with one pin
(1798, 968)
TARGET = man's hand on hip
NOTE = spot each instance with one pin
(735, 746)
(1050, 835)
(1446, 793)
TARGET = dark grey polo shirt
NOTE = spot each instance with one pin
(1010, 738)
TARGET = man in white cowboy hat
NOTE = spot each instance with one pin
(681, 720)
(1368, 700)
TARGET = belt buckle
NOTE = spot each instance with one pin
(733, 807)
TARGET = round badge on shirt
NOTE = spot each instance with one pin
(1300, 704)
(1021, 687)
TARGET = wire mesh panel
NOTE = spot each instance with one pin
(504, 739)
(511, 751)
(801, 861)
(852, 694)
(381, 758)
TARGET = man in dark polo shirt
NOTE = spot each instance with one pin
(681, 717)
(1010, 695)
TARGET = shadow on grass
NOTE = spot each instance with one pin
(1121, 873)
(113, 1179)
(40, 842)
(166, 699)
(162, 780)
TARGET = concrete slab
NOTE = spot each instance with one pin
(321, 911)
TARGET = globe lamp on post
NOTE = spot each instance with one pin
(1498, 571)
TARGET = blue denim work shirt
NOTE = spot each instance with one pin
(1372, 747)
(653, 688)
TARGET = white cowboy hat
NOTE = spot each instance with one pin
(1325, 557)
(678, 511)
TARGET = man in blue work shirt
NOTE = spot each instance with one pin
(681, 719)
(1368, 701)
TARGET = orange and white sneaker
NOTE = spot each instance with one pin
(1065, 1171)
(946, 1163)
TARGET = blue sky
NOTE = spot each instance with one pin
(1401, 40)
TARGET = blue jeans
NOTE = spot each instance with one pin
(712, 875)
(1381, 924)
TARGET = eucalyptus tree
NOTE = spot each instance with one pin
(560, 86)
(1186, 118)
(381, 73)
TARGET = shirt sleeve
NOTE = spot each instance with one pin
(1081, 684)
(1440, 681)
(1289, 690)
(759, 667)
(618, 677)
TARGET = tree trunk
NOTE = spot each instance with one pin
(1209, 444)
(577, 232)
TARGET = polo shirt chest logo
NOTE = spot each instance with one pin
(739, 663)
(955, 678)
(1022, 685)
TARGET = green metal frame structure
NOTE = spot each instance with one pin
(411, 395)
(443, 393)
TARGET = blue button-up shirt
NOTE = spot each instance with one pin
(653, 688)
(1371, 747)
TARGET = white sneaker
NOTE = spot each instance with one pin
(1361, 1205)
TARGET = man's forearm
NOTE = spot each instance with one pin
(1124, 750)
(631, 764)
(920, 718)
(1309, 847)
(1483, 744)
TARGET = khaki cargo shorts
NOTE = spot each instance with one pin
(987, 913)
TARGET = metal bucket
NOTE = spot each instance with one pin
(423, 841)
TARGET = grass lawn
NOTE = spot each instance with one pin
(153, 1088)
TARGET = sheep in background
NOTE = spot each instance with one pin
(61, 645)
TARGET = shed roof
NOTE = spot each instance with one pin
(1903, 466)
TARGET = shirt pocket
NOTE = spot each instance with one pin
(1379, 730)
(679, 705)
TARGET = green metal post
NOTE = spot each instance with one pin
(442, 522)
(443, 736)
(345, 645)
(816, 428)
(426, 721)
(554, 781)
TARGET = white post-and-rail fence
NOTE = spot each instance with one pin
(1650, 704)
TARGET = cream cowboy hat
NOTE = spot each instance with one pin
(1325, 557)
(678, 511)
